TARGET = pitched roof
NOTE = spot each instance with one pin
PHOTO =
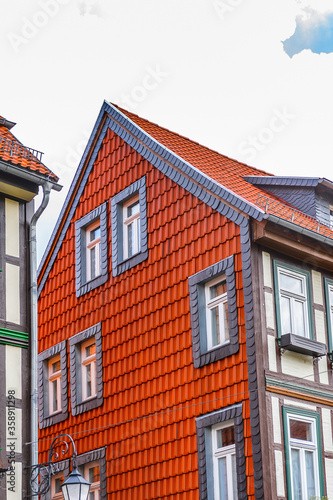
(210, 175)
(236, 176)
(14, 153)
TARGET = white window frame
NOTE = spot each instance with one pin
(229, 453)
(304, 446)
(54, 378)
(221, 301)
(293, 298)
(95, 487)
(132, 222)
(88, 361)
(90, 246)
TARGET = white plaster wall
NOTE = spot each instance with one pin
(329, 477)
(279, 470)
(17, 486)
(271, 340)
(12, 224)
(317, 288)
(14, 370)
(14, 428)
(269, 308)
(327, 429)
(298, 404)
(266, 262)
(12, 293)
(276, 420)
(320, 326)
(297, 365)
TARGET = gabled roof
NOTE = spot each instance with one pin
(219, 181)
(21, 158)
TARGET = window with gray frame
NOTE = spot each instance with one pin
(52, 385)
(129, 227)
(86, 370)
(95, 459)
(91, 264)
(221, 454)
(213, 306)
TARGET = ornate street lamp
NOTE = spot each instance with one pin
(74, 488)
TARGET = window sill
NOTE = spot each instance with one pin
(302, 345)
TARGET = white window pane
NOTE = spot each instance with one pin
(224, 307)
(225, 436)
(217, 289)
(234, 477)
(285, 314)
(54, 393)
(215, 326)
(300, 430)
(310, 474)
(291, 283)
(93, 262)
(296, 474)
(299, 318)
(95, 233)
(133, 209)
(223, 478)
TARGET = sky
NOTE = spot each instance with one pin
(251, 79)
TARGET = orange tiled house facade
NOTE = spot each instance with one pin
(159, 307)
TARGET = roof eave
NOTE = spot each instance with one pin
(299, 229)
(28, 175)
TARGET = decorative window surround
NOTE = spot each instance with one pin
(295, 325)
(82, 229)
(54, 383)
(205, 425)
(78, 404)
(119, 224)
(45, 418)
(302, 438)
(94, 456)
(197, 287)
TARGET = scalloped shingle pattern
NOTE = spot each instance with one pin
(152, 392)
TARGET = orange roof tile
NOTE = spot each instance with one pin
(227, 172)
(12, 151)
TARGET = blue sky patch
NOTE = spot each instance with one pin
(315, 32)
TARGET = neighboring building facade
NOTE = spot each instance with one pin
(185, 311)
(21, 174)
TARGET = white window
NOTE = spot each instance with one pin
(217, 313)
(88, 364)
(91, 474)
(54, 377)
(93, 250)
(56, 482)
(224, 462)
(303, 457)
(293, 303)
(131, 231)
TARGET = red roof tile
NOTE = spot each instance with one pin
(12, 151)
(227, 172)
